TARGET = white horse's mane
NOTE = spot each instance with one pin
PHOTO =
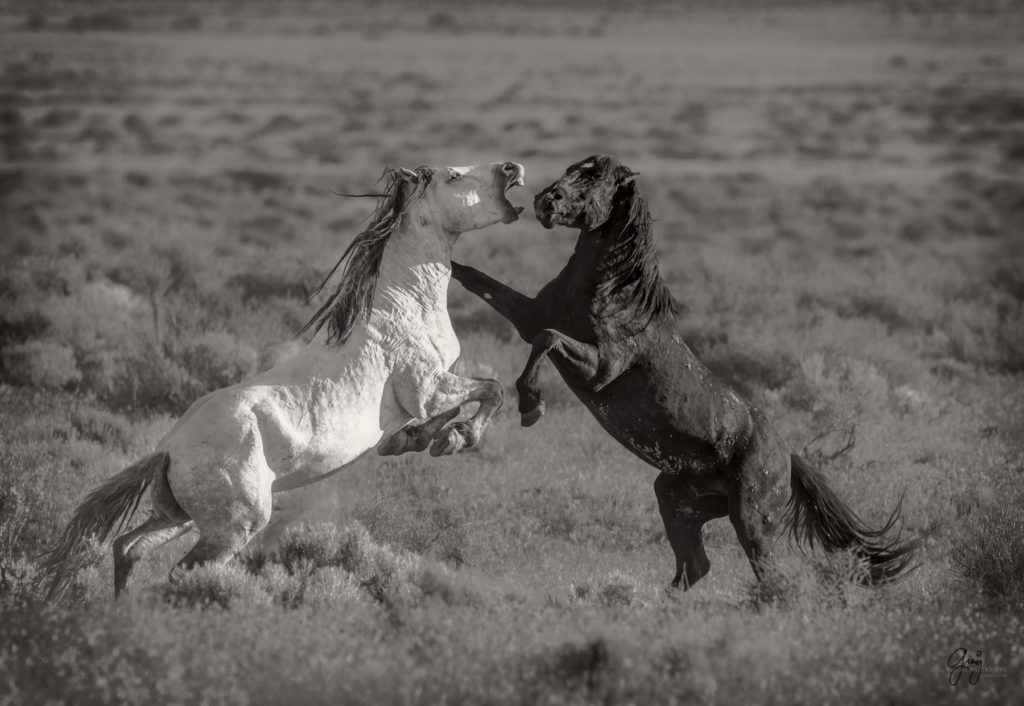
(354, 294)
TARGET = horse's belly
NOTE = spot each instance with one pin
(666, 448)
(666, 441)
(341, 438)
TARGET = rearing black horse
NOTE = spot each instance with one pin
(608, 322)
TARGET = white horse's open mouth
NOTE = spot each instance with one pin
(513, 212)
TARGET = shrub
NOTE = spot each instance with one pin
(41, 364)
(103, 427)
(307, 548)
(149, 380)
(225, 586)
(322, 555)
(592, 668)
(18, 581)
(328, 587)
(216, 359)
(16, 573)
(448, 588)
(434, 528)
(617, 590)
(988, 551)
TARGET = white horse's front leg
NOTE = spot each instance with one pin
(438, 398)
(415, 437)
(463, 435)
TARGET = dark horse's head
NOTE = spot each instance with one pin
(584, 196)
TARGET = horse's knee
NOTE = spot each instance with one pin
(497, 393)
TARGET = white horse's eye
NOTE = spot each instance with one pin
(454, 175)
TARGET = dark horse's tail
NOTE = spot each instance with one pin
(816, 514)
(108, 508)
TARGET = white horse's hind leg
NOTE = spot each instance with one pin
(218, 545)
(129, 548)
(227, 530)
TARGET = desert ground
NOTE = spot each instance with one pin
(839, 195)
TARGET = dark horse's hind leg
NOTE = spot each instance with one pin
(684, 513)
(758, 495)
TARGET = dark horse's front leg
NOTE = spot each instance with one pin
(582, 359)
(520, 310)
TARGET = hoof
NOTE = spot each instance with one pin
(398, 443)
(528, 419)
(451, 442)
(389, 447)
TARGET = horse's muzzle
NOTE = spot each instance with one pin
(514, 175)
(543, 208)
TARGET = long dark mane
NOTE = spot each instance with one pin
(628, 276)
(354, 294)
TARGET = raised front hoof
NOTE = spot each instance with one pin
(390, 447)
(410, 439)
(395, 445)
(531, 417)
(449, 442)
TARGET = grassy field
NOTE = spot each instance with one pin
(840, 205)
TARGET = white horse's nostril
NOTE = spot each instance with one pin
(509, 167)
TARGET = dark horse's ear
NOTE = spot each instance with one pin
(408, 175)
(624, 175)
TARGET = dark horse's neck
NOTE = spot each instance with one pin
(629, 293)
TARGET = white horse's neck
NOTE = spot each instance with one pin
(415, 267)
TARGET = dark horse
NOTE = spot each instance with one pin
(609, 324)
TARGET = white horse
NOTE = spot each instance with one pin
(380, 358)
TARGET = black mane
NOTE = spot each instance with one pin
(354, 294)
(629, 281)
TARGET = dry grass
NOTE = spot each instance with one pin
(839, 200)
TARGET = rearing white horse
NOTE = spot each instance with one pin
(380, 358)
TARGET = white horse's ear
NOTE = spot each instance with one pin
(408, 174)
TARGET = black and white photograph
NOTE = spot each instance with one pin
(511, 352)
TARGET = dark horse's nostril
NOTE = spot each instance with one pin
(556, 196)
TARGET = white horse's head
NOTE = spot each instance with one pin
(460, 199)
(441, 201)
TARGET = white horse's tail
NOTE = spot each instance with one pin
(108, 508)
